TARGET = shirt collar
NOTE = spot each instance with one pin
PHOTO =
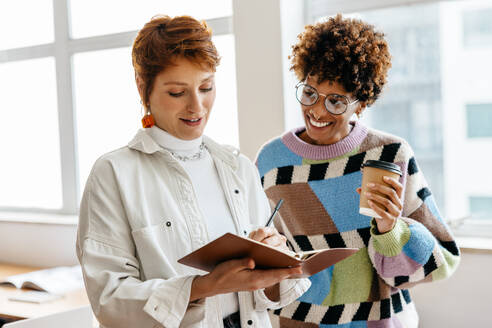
(145, 143)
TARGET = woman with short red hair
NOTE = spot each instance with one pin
(170, 191)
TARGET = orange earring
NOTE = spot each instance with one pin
(148, 120)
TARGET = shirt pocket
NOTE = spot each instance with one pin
(159, 247)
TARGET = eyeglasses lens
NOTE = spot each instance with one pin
(306, 95)
(336, 104)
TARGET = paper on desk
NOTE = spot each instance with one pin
(59, 280)
(35, 296)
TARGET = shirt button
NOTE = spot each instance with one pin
(155, 308)
(250, 322)
(245, 232)
(168, 223)
(236, 191)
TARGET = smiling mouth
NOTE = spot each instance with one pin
(318, 124)
(194, 120)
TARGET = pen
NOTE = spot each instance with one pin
(277, 207)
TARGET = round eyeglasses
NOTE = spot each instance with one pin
(334, 103)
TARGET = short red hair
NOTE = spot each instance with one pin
(163, 39)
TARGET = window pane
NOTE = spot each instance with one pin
(432, 79)
(481, 207)
(90, 17)
(106, 102)
(30, 171)
(223, 123)
(25, 23)
(477, 28)
(479, 120)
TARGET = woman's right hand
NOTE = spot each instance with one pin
(238, 275)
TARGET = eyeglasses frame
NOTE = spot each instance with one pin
(301, 83)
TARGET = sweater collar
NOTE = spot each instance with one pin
(320, 152)
(170, 142)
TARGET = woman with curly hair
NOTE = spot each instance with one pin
(342, 66)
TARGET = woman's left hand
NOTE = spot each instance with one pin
(391, 207)
(269, 236)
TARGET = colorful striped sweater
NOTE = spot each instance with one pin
(318, 185)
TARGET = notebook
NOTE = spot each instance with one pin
(58, 280)
(230, 246)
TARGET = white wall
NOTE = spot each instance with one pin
(257, 31)
(292, 17)
(264, 32)
(463, 300)
(37, 244)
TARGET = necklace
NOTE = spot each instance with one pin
(193, 157)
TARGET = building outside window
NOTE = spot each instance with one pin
(479, 120)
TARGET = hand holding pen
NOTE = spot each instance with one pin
(275, 210)
(270, 235)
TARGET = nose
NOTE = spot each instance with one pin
(195, 103)
(318, 109)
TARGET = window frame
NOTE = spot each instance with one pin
(332, 7)
(62, 50)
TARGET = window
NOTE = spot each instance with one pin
(479, 120)
(481, 207)
(30, 172)
(106, 102)
(69, 96)
(477, 28)
(25, 23)
(95, 17)
(223, 122)
(437, 96)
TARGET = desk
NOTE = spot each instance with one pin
(21, 310)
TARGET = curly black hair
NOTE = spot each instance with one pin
(344, 50)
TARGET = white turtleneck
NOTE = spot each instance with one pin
(208, 190)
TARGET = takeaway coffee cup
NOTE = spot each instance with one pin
(373, 171)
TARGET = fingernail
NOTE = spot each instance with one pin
(367, 193)
(386, 178)
(370, 184)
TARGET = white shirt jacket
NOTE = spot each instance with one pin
(139, 215)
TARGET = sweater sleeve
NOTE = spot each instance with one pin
(420, 247)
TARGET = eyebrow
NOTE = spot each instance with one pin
(184, 83)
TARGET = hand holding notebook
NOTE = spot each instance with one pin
(231, 246)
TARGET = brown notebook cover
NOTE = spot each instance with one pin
(231, 246)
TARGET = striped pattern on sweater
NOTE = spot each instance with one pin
(320, 210)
